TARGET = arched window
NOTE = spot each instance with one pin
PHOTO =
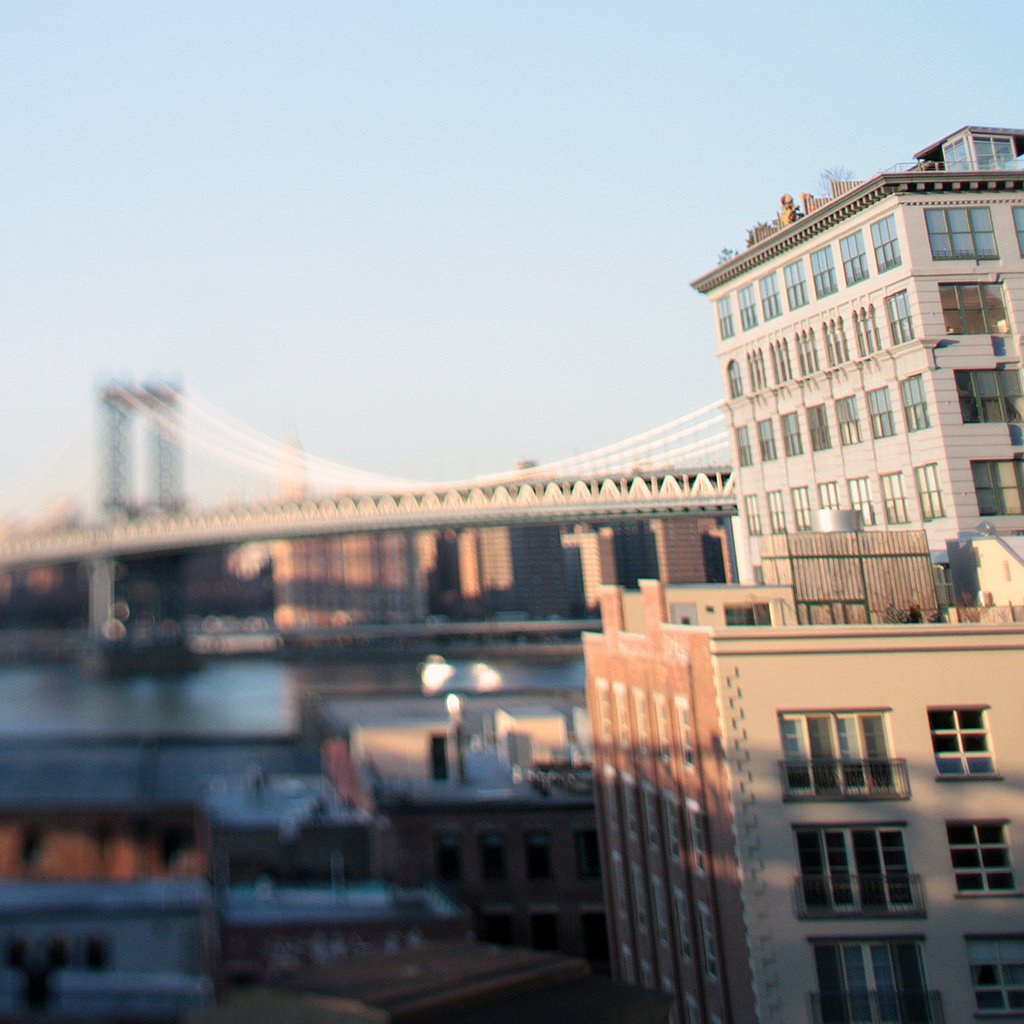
(735, 379)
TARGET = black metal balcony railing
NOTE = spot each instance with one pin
(869, 1006)
(894, 894)
(834, 779)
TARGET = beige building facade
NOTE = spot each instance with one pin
(870, 349)
(839, 816)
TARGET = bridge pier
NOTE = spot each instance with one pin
(135, 617)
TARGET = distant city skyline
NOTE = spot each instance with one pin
(430, 239)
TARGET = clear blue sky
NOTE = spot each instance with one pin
(433, 236)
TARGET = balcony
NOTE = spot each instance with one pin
(853, 895)
(834, 779)
(868, 1006)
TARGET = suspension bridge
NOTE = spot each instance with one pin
(677, 469)
(680, 467)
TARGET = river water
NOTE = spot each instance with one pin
(241, 697)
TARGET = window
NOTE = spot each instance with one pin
(735, 376)
(664, 729)
(492, 856)
(748, 307)
(725, 324)
(801, 498)
(824, 272)
(874, 980)
(771, 304)
(776, 512)
(710, 943)
(929, 491)
(973, 309)
(642, 719)
(449, 864)
(807, 353)
(854, 871)
(956, 233)
(1018, 223)
(883, 424)
(900, 323)
(980, 853)
(817, 427)
(999, 488)
(997, 972)
(753, 515)
(860, 499)
(496, 929)
(792, 442)
(682, 905)
(636, 872)
(743, 450)
(894, 499)
(686, 731)
(652, 819)
(796, 283)
(855, 260)
(915, 405)
(960, 742)
(538, 855)
(828, 495)
(989, 396)
(588, 859)
(849, 423)
(754, 613)
(839, 754)
(766, 440)
(544, 931)
(698, 836)
(887, 245)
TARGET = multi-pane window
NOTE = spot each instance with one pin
(743, 450)
(776, 512)
(726, 329)
(860, 499)
(841, 753)
(796, 283)
(999, 487)
(961, 233)
(961, 742)
(883, 424)
(588, 858)
(929, 491)
(997, 972)
(828, 494)
(980, 852)
(682, 905)
(894, 499)
(855, 259)
(735, 375)
(900, 323)
(854, 871)
(849, 422)
(748, 307)
(766, 440)
(871, 980)
(915, 405)
(989, 396)
(807, 352)
(886, 243)
(801, 498)
(792, 441)
(817, 427)
(707, 927)
(1018, 223)
(973, 309)
(771, 303)
(824, 272)
(753, 515)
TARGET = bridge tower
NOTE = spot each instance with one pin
(157, 405)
